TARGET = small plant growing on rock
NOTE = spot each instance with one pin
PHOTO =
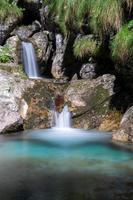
(5, 54)
(8, 10)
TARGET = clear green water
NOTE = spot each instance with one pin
(31, 170)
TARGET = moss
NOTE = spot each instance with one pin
(97, 106)
(100, 100)
(14, 68)
(40, 100)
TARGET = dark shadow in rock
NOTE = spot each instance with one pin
(30, 11)
(71, 65)
(123, 97)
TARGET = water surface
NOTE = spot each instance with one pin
(35, 170)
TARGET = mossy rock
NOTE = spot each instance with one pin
(89, 101)
(40, 100)
(14, 69)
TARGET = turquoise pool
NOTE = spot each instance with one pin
(37, 170)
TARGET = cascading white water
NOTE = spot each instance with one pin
(63, 135)
(63, 119)
(29, 60)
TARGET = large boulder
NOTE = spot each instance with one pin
(11, 90)
(12, 44)
(7, 27)
(125, 132)
(41, 101)
(43, 44)
(89, 100)
(57, 65)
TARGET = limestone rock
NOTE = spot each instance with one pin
(125, 132)
(11, 90)
(24, 32)
(12, 43)
(57, 65)
(89, 100)
(88, 71)
(43, 44)
(7, 27)
(41, 100)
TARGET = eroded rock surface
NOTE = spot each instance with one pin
(11, 89)
(43, 44)
(57, 65)
(125, 132)
(89, 100)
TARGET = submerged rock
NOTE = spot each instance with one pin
(11, 90)
(89, 100)
(125, 132)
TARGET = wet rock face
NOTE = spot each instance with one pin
(125, 132)
(57, 65)
(89, 100)
(41, 100)
(11, 90)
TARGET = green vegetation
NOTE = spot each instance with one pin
(85, 46)
(122, 45)
(100, 16)
(103, 18)
(8, 9)
(5, 54)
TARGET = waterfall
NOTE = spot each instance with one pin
(63, 119)
(29, 60)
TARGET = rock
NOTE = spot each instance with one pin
(57, 65)
(12, 43)
(7, 27)
(125, 132)
(89, 100)
(11, 90)
(41, 99)
(88, 71)
(43, 44)
(24, 32)
(75, 77)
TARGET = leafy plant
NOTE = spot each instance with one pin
(5, 54)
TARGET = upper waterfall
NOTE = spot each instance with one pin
(29, 60)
